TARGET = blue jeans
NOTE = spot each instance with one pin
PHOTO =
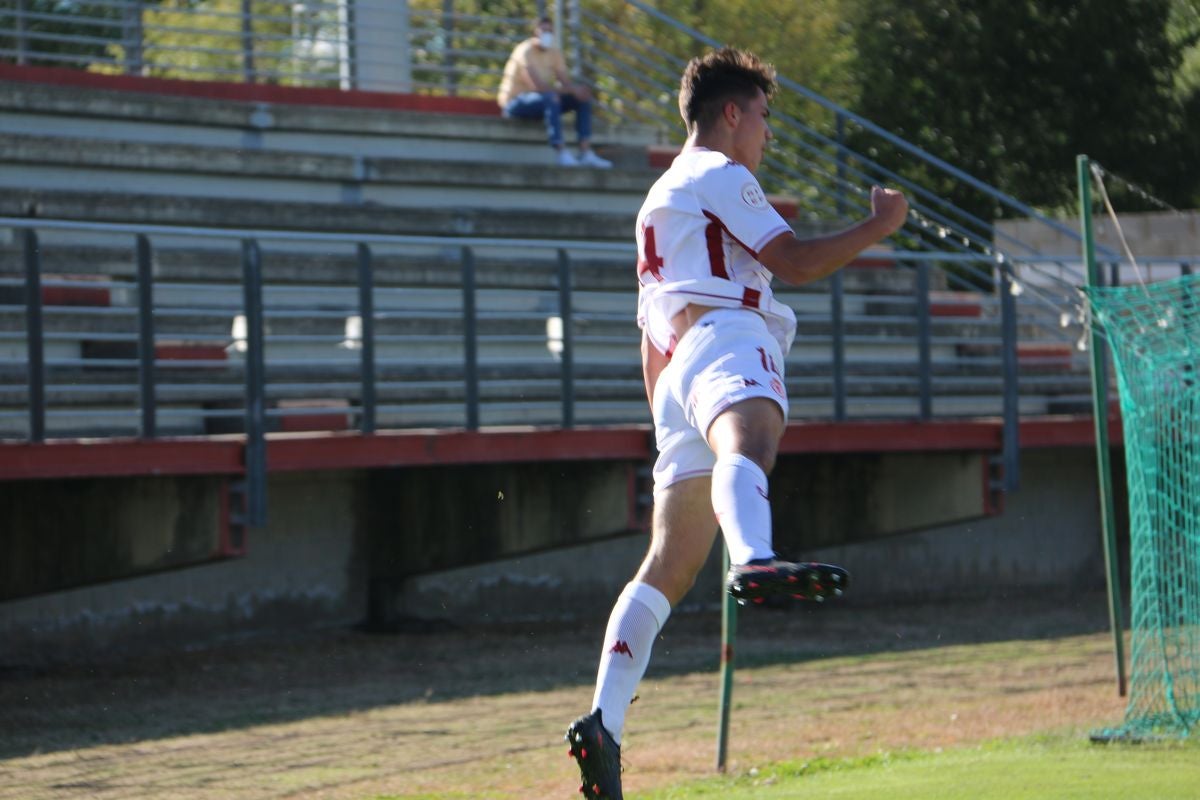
(550, 107)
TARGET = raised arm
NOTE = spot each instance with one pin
(799, 261)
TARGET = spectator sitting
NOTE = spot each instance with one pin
(536, 86)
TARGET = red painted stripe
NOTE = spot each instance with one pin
(457, 447)
(179, 351)
(81, 295)
(334, 451)
(1069, 431)
(252, 92)
(120, 457)
(879, 437)
(955, 310)
(311, 423)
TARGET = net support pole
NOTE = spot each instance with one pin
(1100, 419)
(728, 636)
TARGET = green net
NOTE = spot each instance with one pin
(1154, 332)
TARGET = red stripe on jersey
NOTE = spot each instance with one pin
(716, 245)
(750, 297)
(650, 261)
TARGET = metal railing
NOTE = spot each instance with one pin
(556, 347)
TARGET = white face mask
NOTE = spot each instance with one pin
(546, 39)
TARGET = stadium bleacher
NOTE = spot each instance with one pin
(126, 157)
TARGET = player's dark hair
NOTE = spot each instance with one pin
(712, 80)
(543, 21)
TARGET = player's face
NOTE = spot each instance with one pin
(752, 133)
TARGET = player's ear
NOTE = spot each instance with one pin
(731, 112)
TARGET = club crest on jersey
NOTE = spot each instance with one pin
(752, 195)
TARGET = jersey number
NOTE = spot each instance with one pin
(768, 361)
(650, 261)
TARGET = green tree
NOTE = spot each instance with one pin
(61, 33)
(1011, 90)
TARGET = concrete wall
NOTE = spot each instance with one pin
(1048, 538)
(1147, 233)
(553, 540)
(304, 569)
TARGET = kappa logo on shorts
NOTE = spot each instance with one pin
(750, 382)
(752, 195)
(777, 387)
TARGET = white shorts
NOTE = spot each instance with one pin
(728, 356)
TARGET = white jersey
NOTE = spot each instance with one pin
(698, 236)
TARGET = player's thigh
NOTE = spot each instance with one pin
(682, 535)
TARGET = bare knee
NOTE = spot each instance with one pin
(751, 428)
(673, 579)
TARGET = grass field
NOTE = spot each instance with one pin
(1061, 767)
(966, 700)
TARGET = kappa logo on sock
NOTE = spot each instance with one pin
(621, 647)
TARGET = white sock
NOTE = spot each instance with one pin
(739, 498)
(637, 617)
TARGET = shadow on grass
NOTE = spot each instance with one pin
(279, 680)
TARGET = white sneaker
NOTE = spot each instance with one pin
(565, 159)
(588, 158)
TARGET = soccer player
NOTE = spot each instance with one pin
(713, 344)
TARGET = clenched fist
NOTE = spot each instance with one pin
(889, 207)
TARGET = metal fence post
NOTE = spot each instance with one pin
(1099, 371)
(256, 444)
(840, 120)
(837, 318)
(924, 344)
(366, 313)
(837, 288)
(728, 643)
(134, 37)
(470, 339)
(575, 39)
(145, 283)
(249, 73)
(22, 42)
(1012, 397)
(450, 79)
(33, 338)
(568, 337)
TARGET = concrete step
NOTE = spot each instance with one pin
(37, 161)
(50, 110)
(237, 213)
